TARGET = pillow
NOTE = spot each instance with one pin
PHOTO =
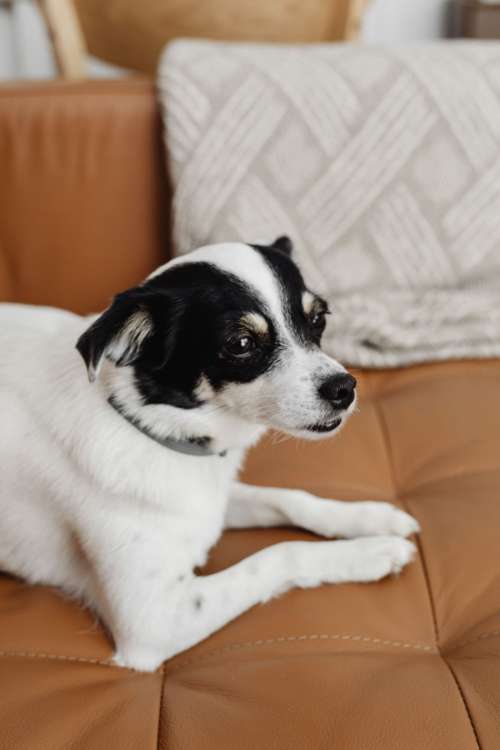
(382, 165)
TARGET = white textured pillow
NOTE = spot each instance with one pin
(382, 165)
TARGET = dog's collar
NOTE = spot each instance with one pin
(190, 446)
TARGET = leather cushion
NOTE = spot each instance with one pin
(410, 662)
(83, 191)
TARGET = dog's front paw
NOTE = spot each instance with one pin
(381, 556)
(380, 519)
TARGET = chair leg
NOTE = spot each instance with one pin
(66, 37)
(355, 14)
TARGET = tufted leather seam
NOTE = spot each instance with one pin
(160, 708)
(464, 701)
(300, 638)
(391, 386)
(387, 443)
(385, 434)
(452, 475)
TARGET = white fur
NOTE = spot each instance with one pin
(89, 504)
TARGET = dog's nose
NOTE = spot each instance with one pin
(338, 390)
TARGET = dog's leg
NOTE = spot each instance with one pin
(154, 606)
(211, 602)
(270, 506)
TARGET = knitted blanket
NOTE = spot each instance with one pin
(381, 164)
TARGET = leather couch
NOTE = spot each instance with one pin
(409, 663)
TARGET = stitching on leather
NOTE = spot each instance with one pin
(480, 637)
(263, 642)
(465, 704)
(314, 637)
(56, 657)
(232, 647)
(387, 443)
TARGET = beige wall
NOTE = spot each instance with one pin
(401, 20)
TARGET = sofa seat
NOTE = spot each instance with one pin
(408, 663)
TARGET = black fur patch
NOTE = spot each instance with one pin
(292, 288)
(283, 244)
(195, 308)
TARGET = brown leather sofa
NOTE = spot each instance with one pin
(409, 663)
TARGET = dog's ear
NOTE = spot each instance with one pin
(119, 333)
(283, 244)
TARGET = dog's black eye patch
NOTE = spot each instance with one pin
(214, 311)
(246, 337)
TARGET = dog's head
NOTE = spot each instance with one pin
(229, 328)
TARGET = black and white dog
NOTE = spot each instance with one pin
(116, 490)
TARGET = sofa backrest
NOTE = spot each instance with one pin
(83, 192)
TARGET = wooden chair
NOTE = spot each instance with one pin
(354, 19)
(131, 33)
(66, 37)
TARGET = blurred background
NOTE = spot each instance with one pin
(107, 38)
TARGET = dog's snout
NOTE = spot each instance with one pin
(338, 390)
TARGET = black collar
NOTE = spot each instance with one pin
(196, 446)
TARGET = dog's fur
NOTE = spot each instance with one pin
(214, 347)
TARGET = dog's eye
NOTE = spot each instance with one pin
(240, 346)
(317, 318)
(317, 323)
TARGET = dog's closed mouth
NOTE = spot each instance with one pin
(325, 427)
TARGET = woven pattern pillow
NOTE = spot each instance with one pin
(382, 165)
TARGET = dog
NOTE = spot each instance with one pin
(119, 472)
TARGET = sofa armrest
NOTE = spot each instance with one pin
(83, 192)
